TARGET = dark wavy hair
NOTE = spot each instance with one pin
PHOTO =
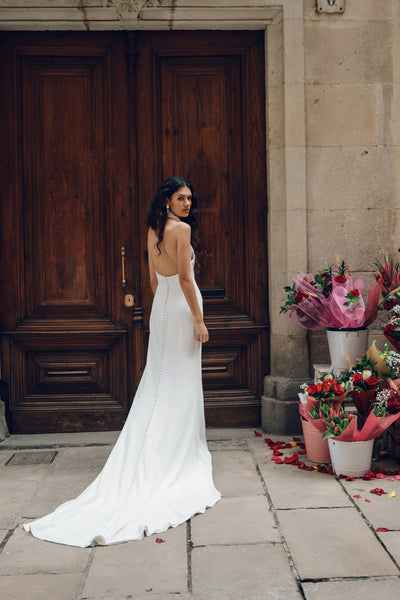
(157, 216)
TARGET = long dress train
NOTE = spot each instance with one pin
(159, 472)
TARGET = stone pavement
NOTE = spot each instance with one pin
(279, 533)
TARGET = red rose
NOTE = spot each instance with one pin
(388, 304)
(312, 390)
(320, 387)
(300, 296)
(338, 389)
(354, 293)
(372, 381)
(394, 403)
(357, 378)
(340, 279)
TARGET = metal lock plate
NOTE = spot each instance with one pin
(129, 300)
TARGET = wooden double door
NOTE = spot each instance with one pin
(91, 124)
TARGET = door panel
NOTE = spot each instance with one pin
(201, 100)
(67, 336)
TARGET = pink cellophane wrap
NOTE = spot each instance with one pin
(323, 313)
(374, 426)
(304, 407)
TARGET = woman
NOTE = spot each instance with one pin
(159, 473)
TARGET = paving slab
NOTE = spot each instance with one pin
(215, 445)
(82, 458)
(242, 520)
(253, 572)
(3, 533)
(59, 486)
(292, 488)
(59, 440)
(367, 589)
(381, 511)
(391, 541)
(235, 475)
(230, 433)
(4, 457)
(18, 486)
(133, 567)
(313, 535)
(24, 554)
(39, 586)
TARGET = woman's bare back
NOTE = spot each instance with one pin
(164, 257)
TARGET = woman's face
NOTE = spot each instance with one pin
(180, 202)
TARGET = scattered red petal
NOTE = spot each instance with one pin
(369, 476)
(380, 476)
(302, 451)
(378, 491)
(277, 460)
(277, 453)
(390, 478)
(291, 459)
(296, 439)
(257, 433)
(366, 500)
(159, 541)
(308, 468)
(349, 478)
(382, 529)
(357, 496)
(149, 590)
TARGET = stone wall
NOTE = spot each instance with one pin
(333, 131)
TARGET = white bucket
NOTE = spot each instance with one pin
(345, 343)
(351, 458)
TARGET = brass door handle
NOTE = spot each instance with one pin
(123, 273)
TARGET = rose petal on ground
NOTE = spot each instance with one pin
(296, 439)
(378, 491)
(357, 496)
(397, 476)
(390, 478)
(291, 459)
(392, 495)
(382, 529)
(277, 460)
(257, 433)
(159, 541)
(380, 476)
(366, 500)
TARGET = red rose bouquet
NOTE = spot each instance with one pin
(331, 299)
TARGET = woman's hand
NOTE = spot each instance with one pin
(201, 331)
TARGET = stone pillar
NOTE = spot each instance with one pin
(290, 364)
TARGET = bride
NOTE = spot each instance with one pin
(159, 472)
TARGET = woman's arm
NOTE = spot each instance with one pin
(152, 273)
(184, 252)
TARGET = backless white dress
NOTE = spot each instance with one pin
(159, 472)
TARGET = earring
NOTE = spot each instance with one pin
(167, 206)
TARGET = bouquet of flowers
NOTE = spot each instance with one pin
(331, 299)
(343, 426)
(326, 392)
(389, 273)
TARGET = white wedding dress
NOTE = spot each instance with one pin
(159, 473)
